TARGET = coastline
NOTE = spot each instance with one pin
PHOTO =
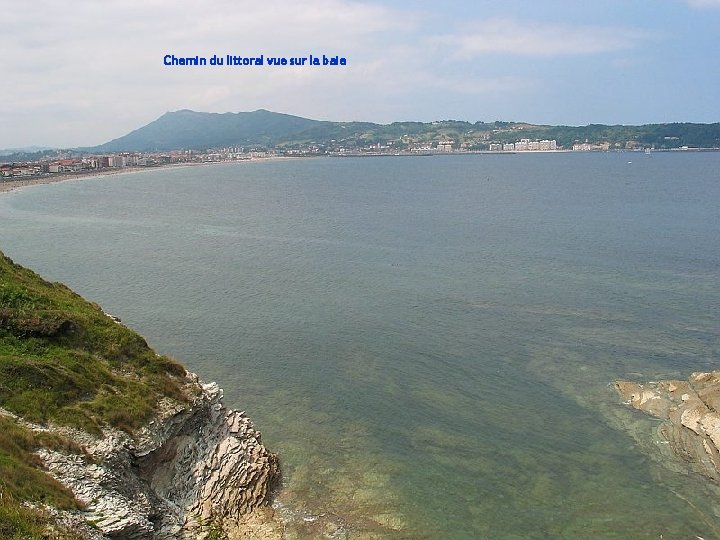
(362, 478)
(164, 459)
(12, 185)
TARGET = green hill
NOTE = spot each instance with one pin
(199, 130)
(63, 360)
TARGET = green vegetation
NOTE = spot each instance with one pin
(21, 480)
(264, 129)
(197, 130)
(660, 136)
(63, 360)
(18, 465)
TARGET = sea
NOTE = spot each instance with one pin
(429, 343)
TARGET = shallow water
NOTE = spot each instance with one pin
(427, 342)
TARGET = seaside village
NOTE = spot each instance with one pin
(69, 162)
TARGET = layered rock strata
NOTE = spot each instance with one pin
(691, 413)
(196, 468)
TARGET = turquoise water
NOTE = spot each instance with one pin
(427, 342)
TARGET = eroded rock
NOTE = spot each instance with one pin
(194, 468)
(691, 411)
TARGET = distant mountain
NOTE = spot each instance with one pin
(24, 150)
(187, 129)
(200, 130)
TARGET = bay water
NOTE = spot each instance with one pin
(429, 343)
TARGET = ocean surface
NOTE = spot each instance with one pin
(429, 343)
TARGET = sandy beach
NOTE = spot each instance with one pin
(10, 185)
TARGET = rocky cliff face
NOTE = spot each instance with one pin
(196, 469)
(691, 411)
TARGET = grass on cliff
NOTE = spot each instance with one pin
(22, 480)
(63, 360)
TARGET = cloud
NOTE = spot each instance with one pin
(104, 60)
(523, 38)
(86, 75)
(132, 31)
(701, 4)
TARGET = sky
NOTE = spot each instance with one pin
(84, 72)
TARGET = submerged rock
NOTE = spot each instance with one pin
(196, 468)
(691, 413)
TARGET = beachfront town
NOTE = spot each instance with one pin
(69, 162)
(72, 162)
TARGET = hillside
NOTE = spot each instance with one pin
(91, 417)
(187, 129)
(294, 135)
(63, 360)
(196, 130)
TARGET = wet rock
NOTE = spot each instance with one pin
(691, 413)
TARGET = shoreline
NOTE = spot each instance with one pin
(7, 186)
(13, 185)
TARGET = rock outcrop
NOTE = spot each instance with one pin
(196, 468)
(691, 413)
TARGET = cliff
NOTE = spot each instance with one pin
(100, 437)
(690, 411)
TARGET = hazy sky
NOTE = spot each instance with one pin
(84, 72)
